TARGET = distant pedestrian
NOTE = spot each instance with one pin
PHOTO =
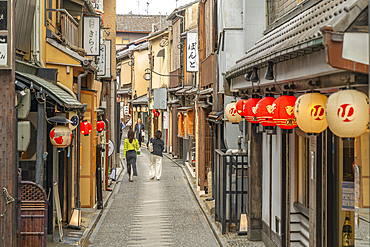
(155, 167)
(139, 130)
(129, 149)
(123, 126)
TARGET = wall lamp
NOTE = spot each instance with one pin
(269, 75)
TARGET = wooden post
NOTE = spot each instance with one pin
(255, 186)
(40, 144)
(202, 150)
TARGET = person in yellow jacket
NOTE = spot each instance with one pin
(129, 149)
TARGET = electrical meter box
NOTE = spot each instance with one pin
(25, 107)
(24, 135)
(160, 98)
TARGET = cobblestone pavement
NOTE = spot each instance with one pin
(153, 213)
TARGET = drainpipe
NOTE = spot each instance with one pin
(85, 64)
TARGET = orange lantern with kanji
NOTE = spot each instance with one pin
(265, 110)
(283, 111)
(60, 136)
(100, 125)
(251, 109)
(232, 114)
(85, 127)
(240, 106)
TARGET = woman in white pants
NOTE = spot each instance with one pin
(155, 167)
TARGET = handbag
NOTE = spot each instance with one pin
(150, 146)
(113, 174)
(138, 152)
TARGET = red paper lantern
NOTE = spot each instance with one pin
(156, 114)
(240, 106)
(283, 111)
(251, 109)
(85, 127)
(265, 110)
(60, 136)
(100, 125)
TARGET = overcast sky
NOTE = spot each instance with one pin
(155, 6)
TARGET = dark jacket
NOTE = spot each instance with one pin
(137, 131)
(158, 146)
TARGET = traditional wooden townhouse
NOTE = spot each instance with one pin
(307, 161)
(60, 104)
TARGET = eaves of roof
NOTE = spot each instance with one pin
(298, 36)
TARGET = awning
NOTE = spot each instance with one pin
(60, 96)
(124, 91)
(142, 100)
(206, 91)
(175, 89)
(69, 52)
(174, 101)
(192, 91)
(185, 108)
(300, 35)
(182, 91)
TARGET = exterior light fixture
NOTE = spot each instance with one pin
(85, 128)
(232, 114)
(247, 76)
(309, 111)
(147, 76)
(100, 125)
(251, 109)
(61, 136)
(243, 224)
(284, 112)
(240, 106)
(75, 221)
(264, 112)
(347, 113)
(269, 75)
(254, 76)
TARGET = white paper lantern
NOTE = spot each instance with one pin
(60, 136)
(309, 111)
(232, 114)
(347, 113)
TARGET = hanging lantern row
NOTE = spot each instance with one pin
(346, 112)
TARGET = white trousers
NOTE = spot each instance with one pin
(155, 167)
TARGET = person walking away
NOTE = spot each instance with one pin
(139, 129)
(129, 149)
(123, 126)
(155, 167)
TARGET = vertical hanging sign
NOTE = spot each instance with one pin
(91, 35)
(101, 61)
(5, 34)
(192, 59)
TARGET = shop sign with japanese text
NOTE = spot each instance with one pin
(91, 35)
(192, 58)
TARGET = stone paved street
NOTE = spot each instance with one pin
(153, 213)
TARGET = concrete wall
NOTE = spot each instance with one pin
(254, 22)
(125, 77)
(141, 63)
(191, 17)
(230, 21)
(161, 64)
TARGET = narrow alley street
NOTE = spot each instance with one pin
(152, 213)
